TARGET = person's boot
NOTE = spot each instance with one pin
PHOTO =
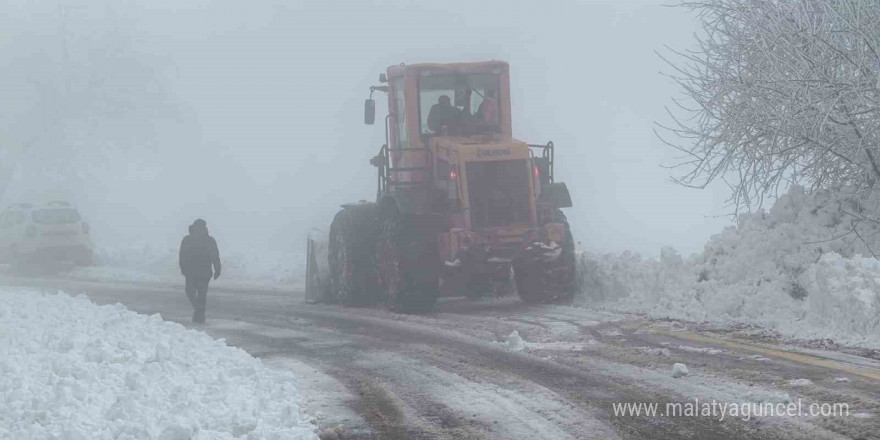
(200, 316)
(195, 318)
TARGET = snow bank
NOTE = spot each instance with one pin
(146, 262)
(515, 342)
(679, 370)
(797, 269)
(72, 370)
(800, 382)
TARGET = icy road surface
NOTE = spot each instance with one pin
(462, 372)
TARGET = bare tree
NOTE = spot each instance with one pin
(779, 92)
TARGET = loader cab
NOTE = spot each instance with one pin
(495, 178)
(478, 96)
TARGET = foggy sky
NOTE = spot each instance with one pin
(151, 113)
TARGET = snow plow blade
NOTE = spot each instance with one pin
(317, 271)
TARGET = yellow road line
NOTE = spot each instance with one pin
(788, 355)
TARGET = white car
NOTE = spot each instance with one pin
(44, 233)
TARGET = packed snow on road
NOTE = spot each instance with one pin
(73, 370)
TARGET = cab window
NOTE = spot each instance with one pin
(399, 112)
(465, 94)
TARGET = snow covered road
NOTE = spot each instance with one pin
(459, 374)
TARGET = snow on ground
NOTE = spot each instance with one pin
(679, 370)
(145, 262)
(527, 411)
(74, 370)
(704, 350)
(515, 342)
(795, 269)
(800, 382)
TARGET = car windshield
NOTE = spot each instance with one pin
(55, 216)
(462, 110)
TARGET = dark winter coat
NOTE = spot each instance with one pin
(198, 254)
(444, 115)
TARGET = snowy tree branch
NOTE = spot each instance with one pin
(778, 92)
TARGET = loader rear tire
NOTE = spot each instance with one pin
(351, 256)
(408, 277)
(542, 282)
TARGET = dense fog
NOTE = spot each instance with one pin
(148, 114)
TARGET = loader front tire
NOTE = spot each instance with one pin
(407, 276)
(547, 282)
(351, 256)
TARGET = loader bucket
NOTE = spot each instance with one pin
(317, 270)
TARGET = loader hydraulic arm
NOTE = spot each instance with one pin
(545, 162)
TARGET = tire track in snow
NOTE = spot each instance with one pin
(582, 388)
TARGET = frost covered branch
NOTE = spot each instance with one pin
(778, 92)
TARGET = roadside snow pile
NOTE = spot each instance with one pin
(72, 370)
(679, 370)
(110, 273)
(800, 382)
(148, 258)
(515, 342)
(146, 262)
(797, 269)
(279, 267)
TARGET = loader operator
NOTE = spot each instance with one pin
(443, 114)
(198, 256)
(488, 111)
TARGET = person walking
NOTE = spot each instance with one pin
(199, 261)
